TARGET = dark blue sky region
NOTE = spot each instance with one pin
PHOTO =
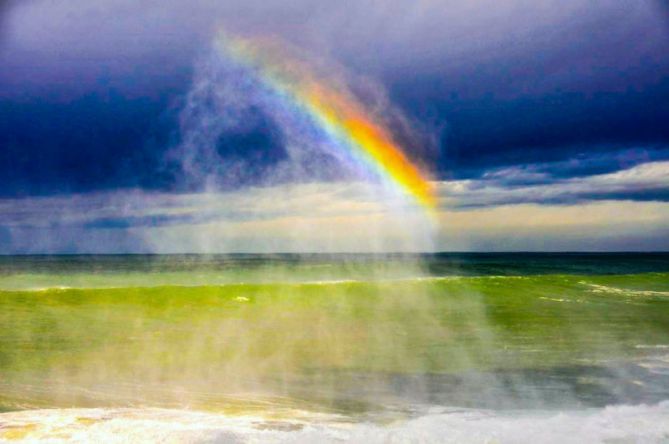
(91, 92)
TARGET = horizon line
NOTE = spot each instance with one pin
(342, 253)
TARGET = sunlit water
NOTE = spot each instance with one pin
(445, 348)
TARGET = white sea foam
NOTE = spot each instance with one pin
(596, 288)
(232, 283)
(640, 423)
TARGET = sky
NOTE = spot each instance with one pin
(542, 125)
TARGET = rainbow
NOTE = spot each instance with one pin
(334, 110)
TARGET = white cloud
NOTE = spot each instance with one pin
(346, 217)
(493, 189)
(591, 226)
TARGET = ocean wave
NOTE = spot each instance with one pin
(624, 423)
(210, 284)
(598, 288)
(158, 283)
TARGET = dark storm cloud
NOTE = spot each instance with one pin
(92, 142)
(491, 132)
(90, 91)
(509, 48)
(5, 6)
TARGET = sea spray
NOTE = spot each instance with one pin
(354, 336)
(325, 134)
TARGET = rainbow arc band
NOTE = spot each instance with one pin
(339, 115)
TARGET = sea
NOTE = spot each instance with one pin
(392, 348)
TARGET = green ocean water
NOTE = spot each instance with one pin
(356, 335)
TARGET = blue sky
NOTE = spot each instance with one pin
(544, 124)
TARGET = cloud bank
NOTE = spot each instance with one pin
(345, 217)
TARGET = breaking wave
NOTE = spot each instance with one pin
(624, 423)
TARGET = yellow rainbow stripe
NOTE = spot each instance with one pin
(335, 110)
